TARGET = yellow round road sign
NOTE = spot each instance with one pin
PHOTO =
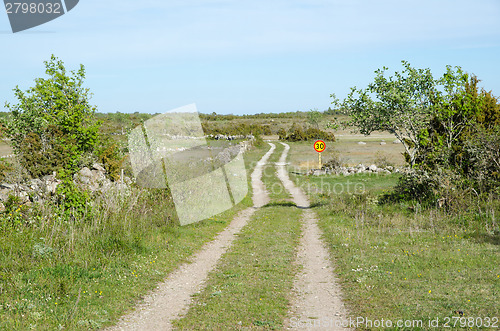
(319, 146)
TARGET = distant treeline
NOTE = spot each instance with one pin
(121, 123)
(297, 114)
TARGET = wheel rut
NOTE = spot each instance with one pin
(172, 298)
(317, 303)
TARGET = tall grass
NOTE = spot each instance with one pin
(84, 269)
(405, 261)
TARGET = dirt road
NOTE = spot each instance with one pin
(318, 303)
(172, 298)
(316, 300)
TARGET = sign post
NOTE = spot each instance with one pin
(319, 146)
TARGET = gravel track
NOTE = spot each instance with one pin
(172, 298)
(317, 303)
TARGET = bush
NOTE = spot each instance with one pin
(414, 185)
(72, 201)
(109, 155)
(334, 160)
(297, 133)
(382, 161)
(53, 124)
(43, 153)
(482, 160)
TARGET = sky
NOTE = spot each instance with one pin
(247, 57)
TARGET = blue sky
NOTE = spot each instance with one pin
(246, 57)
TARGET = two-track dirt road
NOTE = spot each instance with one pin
(316, 296)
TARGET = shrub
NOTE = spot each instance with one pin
(108, 153)
(481, 163)
(414, 185)
(297, 133)
(72, 201)
(53, 123)
(382, 161)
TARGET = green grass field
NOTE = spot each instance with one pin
(84, 275)
(403, 262)
(397, 261)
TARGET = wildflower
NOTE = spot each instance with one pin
(430, 291)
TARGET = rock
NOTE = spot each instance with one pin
(36, 184)
(97, 176)
(372, 168)
(51, 186)
(390, 168)
(361, 143)
(85, 172)
(382, 143)
(397, 141)
(84, 180)
(318, 172)
(98, 167)
(4, 194)
(50, 183)
(7, 186)
(2, 207)
(23, 195)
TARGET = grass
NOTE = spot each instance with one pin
(274, 187)
(251, 285)
(304, 157)
(58, 272)
(404, 262)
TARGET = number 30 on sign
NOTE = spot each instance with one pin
(319, 146)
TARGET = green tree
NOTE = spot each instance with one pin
(53, 124)
(314, 117)
(401, 105)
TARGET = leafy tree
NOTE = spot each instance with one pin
(314, 117)
(53, 123)
(401, 105)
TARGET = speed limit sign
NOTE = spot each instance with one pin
(319, 146)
